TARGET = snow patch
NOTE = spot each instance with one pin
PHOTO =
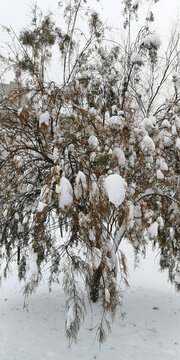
(119, 153)
(152, 40)
(130, 215)
(107, 295)
(65, 192)
(96, 257)
(16, 215)
(41, 207)
(177, 276)
(136, 59)
(153, 230)
(160, 221)
(116, 122)
(33, 270)
(115, 187)
(93, 141)
(163, 165)
(56, 154)
(165, 124)
(94, 191)
(44, 118)
(177, 122)
(148, 124)
(80, 187)
(70, 317)
(178, 143)
(159, 175)
(147, 144)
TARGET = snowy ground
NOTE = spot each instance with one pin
(150, 329)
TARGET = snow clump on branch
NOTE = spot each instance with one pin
(115, 187)
(152, 40)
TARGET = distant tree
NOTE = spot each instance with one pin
(89, 162)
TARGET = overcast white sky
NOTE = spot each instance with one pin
(17, 14)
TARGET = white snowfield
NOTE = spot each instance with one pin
(150, 329)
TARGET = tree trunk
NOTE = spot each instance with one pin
(94, 293)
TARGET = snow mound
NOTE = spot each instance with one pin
(115, 187)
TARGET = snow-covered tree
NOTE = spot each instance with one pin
(89, 162)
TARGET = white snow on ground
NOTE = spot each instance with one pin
(149, 331)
